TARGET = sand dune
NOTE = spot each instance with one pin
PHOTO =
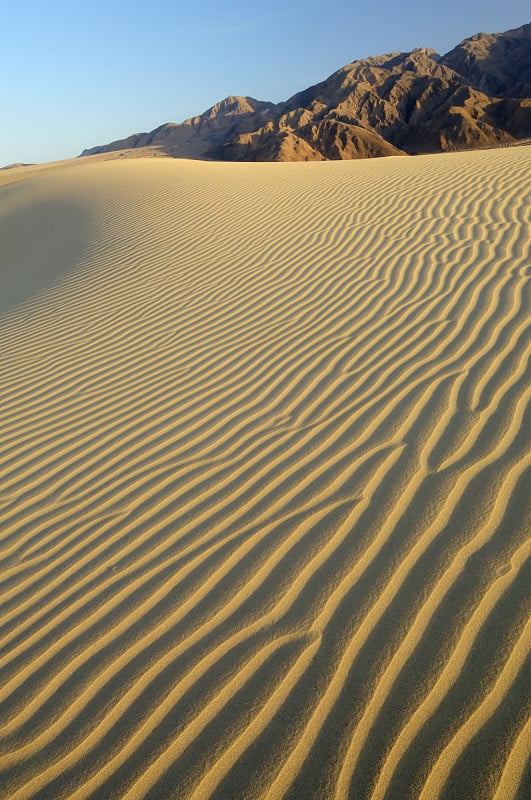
(265, 479)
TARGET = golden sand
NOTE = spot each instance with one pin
(265, 479)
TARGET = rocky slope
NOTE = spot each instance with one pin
(477, 95)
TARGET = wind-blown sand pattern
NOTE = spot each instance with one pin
(265, 489)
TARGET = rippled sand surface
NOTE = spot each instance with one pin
(265, 480)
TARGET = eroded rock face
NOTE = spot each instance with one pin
(478, 94)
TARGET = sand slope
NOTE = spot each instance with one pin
(265, 480)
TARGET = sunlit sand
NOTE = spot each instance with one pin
(264, 490)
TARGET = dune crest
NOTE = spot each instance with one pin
(265, 464)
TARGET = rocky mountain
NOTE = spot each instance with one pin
(199, 136)
(478, 94)
(497, 64)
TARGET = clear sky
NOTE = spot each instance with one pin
(76, 74)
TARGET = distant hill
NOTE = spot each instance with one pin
(477, 95)
(15, 166)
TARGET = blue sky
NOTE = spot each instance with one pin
(79, 74)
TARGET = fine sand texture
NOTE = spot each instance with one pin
(265, 480)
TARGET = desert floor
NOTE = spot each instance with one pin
(265, 479)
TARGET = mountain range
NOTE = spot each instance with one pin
(477, 95)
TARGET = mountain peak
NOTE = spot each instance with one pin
(235, 104)
(498, 64)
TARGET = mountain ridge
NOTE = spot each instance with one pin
(477, 95)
